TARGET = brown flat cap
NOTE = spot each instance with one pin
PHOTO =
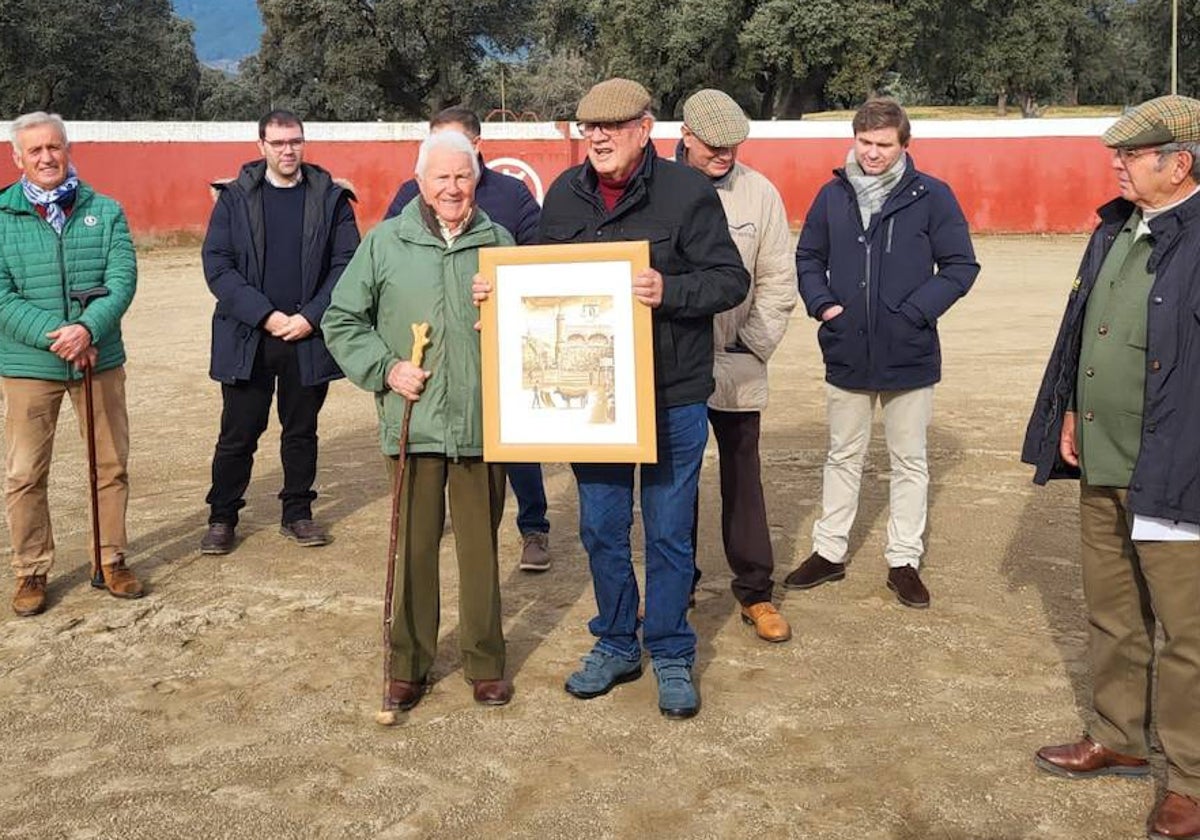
(612, 101)
(715, 118)
(1167, 119)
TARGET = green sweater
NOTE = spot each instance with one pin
(38, 268)
(402, 274)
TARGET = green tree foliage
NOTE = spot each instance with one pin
(97, 59)
(386, 59)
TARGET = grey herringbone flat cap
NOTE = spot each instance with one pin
(1167, 119)
(613, 101)
(715, 118)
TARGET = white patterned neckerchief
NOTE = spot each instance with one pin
(52, 200)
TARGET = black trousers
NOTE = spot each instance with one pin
(744, 528)
(247, 407)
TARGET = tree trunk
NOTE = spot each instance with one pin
(1029, 107)
(1002, 103)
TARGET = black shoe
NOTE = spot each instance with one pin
(305, 531)
(813, 572)
(218, 539)
(904, 581)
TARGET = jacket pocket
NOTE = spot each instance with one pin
(562, 231)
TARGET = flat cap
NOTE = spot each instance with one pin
(612, 101)
(715, 118)
(1167, 119)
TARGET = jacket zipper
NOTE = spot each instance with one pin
(62, 273)
(867, 289)
(891, 227)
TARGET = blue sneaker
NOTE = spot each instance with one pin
(677, 697)
(601, 672)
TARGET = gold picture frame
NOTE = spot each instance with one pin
(568, 355)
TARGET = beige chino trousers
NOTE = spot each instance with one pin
(906, 416)
(1129, 587)
(30, 418)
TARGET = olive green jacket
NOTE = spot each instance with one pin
(403, 274)
(38, 270)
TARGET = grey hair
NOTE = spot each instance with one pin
(454, 141)
(32, 120)
(1191, 148)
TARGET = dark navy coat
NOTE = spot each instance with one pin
(1166, 476)
(895, 279)
(506, 200)
(233, 253)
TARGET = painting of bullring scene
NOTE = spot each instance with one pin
(567, 350)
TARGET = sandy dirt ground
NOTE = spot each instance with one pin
(237, 698)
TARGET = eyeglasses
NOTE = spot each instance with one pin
(1128, 155)
(280, 145)
(605, 128)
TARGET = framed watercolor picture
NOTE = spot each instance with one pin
(568, 365)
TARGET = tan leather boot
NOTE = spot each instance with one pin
(768, 623)
(30, 597)
(119, 581)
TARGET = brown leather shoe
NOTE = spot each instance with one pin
(403, 695)
(1086, 759)
(30, 597)
(1177, 817)
(119, 581)
(813, 572)
(492, 692)
(218, 539)
(768, 623)
(306, 532)
(906, 583)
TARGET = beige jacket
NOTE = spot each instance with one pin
(759, 227)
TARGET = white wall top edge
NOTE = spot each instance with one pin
(247, 132)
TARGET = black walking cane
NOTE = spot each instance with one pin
(83, 297)
(387, 710)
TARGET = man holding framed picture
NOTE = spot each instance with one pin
(625, 192)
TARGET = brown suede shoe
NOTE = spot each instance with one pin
(813, 572)
(403, 695)
(492, 692)
(119, 581)
(30, 597)
(1086, 759)
(218, 539)
(535, 556)
(1177, 817)
(768, 623)
(906, 583)
(306, 532)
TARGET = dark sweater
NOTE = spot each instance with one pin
(283, 224)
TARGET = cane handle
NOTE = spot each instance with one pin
(420, 341)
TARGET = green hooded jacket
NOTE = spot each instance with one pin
(38, 268)
(402, 274)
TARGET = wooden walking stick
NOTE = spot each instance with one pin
(386, 716)
(83, 297)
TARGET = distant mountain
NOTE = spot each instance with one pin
(226, 30)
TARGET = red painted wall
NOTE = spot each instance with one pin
(1015, 184)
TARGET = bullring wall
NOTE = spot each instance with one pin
(1011, 176)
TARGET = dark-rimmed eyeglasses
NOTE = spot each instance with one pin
(606, 128)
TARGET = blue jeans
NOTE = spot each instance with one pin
(526, 481)
(605, 517)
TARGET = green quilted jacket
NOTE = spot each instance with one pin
(38, 268)
(401, 275)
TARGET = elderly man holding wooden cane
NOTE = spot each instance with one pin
(417, 268)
